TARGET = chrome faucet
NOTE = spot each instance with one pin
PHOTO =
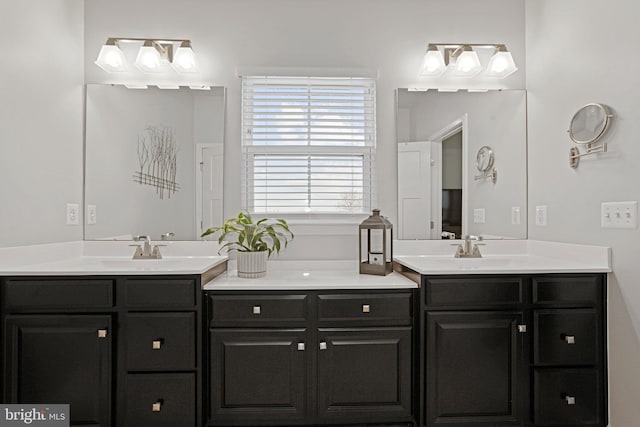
(467, 251)
(145, 251)
(167, 236)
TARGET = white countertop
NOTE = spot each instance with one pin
(308, 275)
(107, 258)
(503, 257)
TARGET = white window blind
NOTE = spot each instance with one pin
(308, 145)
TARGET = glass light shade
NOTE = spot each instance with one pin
(501, 65)
(467, 64)
(432, 63)
(111, 59)
(148, 59)
(184, 60)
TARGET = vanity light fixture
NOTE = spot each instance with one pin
(152, 56)
(462, 60)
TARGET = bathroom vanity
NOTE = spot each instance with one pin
(517, 338)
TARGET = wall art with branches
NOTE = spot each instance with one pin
(158, 160)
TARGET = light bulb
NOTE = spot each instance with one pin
(501, 65)
(111, 58)
(184, 60)
(432, 63)
(148, 59)
(467, 64)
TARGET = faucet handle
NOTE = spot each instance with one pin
(156, 252)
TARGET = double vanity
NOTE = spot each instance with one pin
(516, 338)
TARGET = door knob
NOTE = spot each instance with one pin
(300, 346)
(157, 344)
(102, 333)
(256, 309)
(366, 308)
(156, 406)
(571, 400)
(323, 345)
(570, 339)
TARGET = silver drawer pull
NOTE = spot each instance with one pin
(323, 345)
(157, 344)
(570, 339)
(522, 328)
(300, 346)
(366, 308)
(256, 309)
(156, 406)
(102, 333)
(571, 400)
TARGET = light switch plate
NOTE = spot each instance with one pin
(478, 216)
(92, 214)
(541, 216)
(73, 214)
(619, 215)
(515, 215)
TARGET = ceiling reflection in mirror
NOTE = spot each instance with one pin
(153, 162)
(441, 194)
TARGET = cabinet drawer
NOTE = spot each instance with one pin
(580, 290)
(467, 292)
(567, 397)
(566, 337)
(161, 341)
(58, 294)
(161, 400)
(161, 293)
(257, 309)
(386, 307)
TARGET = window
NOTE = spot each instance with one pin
(308, 145)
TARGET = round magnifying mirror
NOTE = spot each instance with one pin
(589, 123)
(484, 159)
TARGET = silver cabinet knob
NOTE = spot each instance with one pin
(102, 333)
(570, 339)
(156, 406)
(300, 346)
(323, 345)
(366, 308)
(522, 328)
(571, 400)
(256, 309)
(157, 344)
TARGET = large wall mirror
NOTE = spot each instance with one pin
(445, 187)
(153, 162)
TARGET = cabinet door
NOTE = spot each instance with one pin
(257, 376)
(474, 369)
(61, 359)
(364, 375)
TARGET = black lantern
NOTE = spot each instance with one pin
(376, 245)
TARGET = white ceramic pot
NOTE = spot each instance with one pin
(252, 264)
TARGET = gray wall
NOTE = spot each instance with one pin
(581, 51)
(41, 119)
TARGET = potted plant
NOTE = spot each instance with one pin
(254, 242)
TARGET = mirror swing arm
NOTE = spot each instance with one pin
(578, 133)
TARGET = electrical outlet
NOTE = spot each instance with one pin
(73, 214)
(619, 215)
(91, 214)
(541, 216)
(478, 216)
(515, 215)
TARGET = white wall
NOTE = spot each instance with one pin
(581, 51)
(382, 36)
(41, 102)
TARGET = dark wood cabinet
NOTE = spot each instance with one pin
(61, 359)
(475, 370)
(121, 351)
(364, 373)
(258, 376)
(513, 351)
(310, 358)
